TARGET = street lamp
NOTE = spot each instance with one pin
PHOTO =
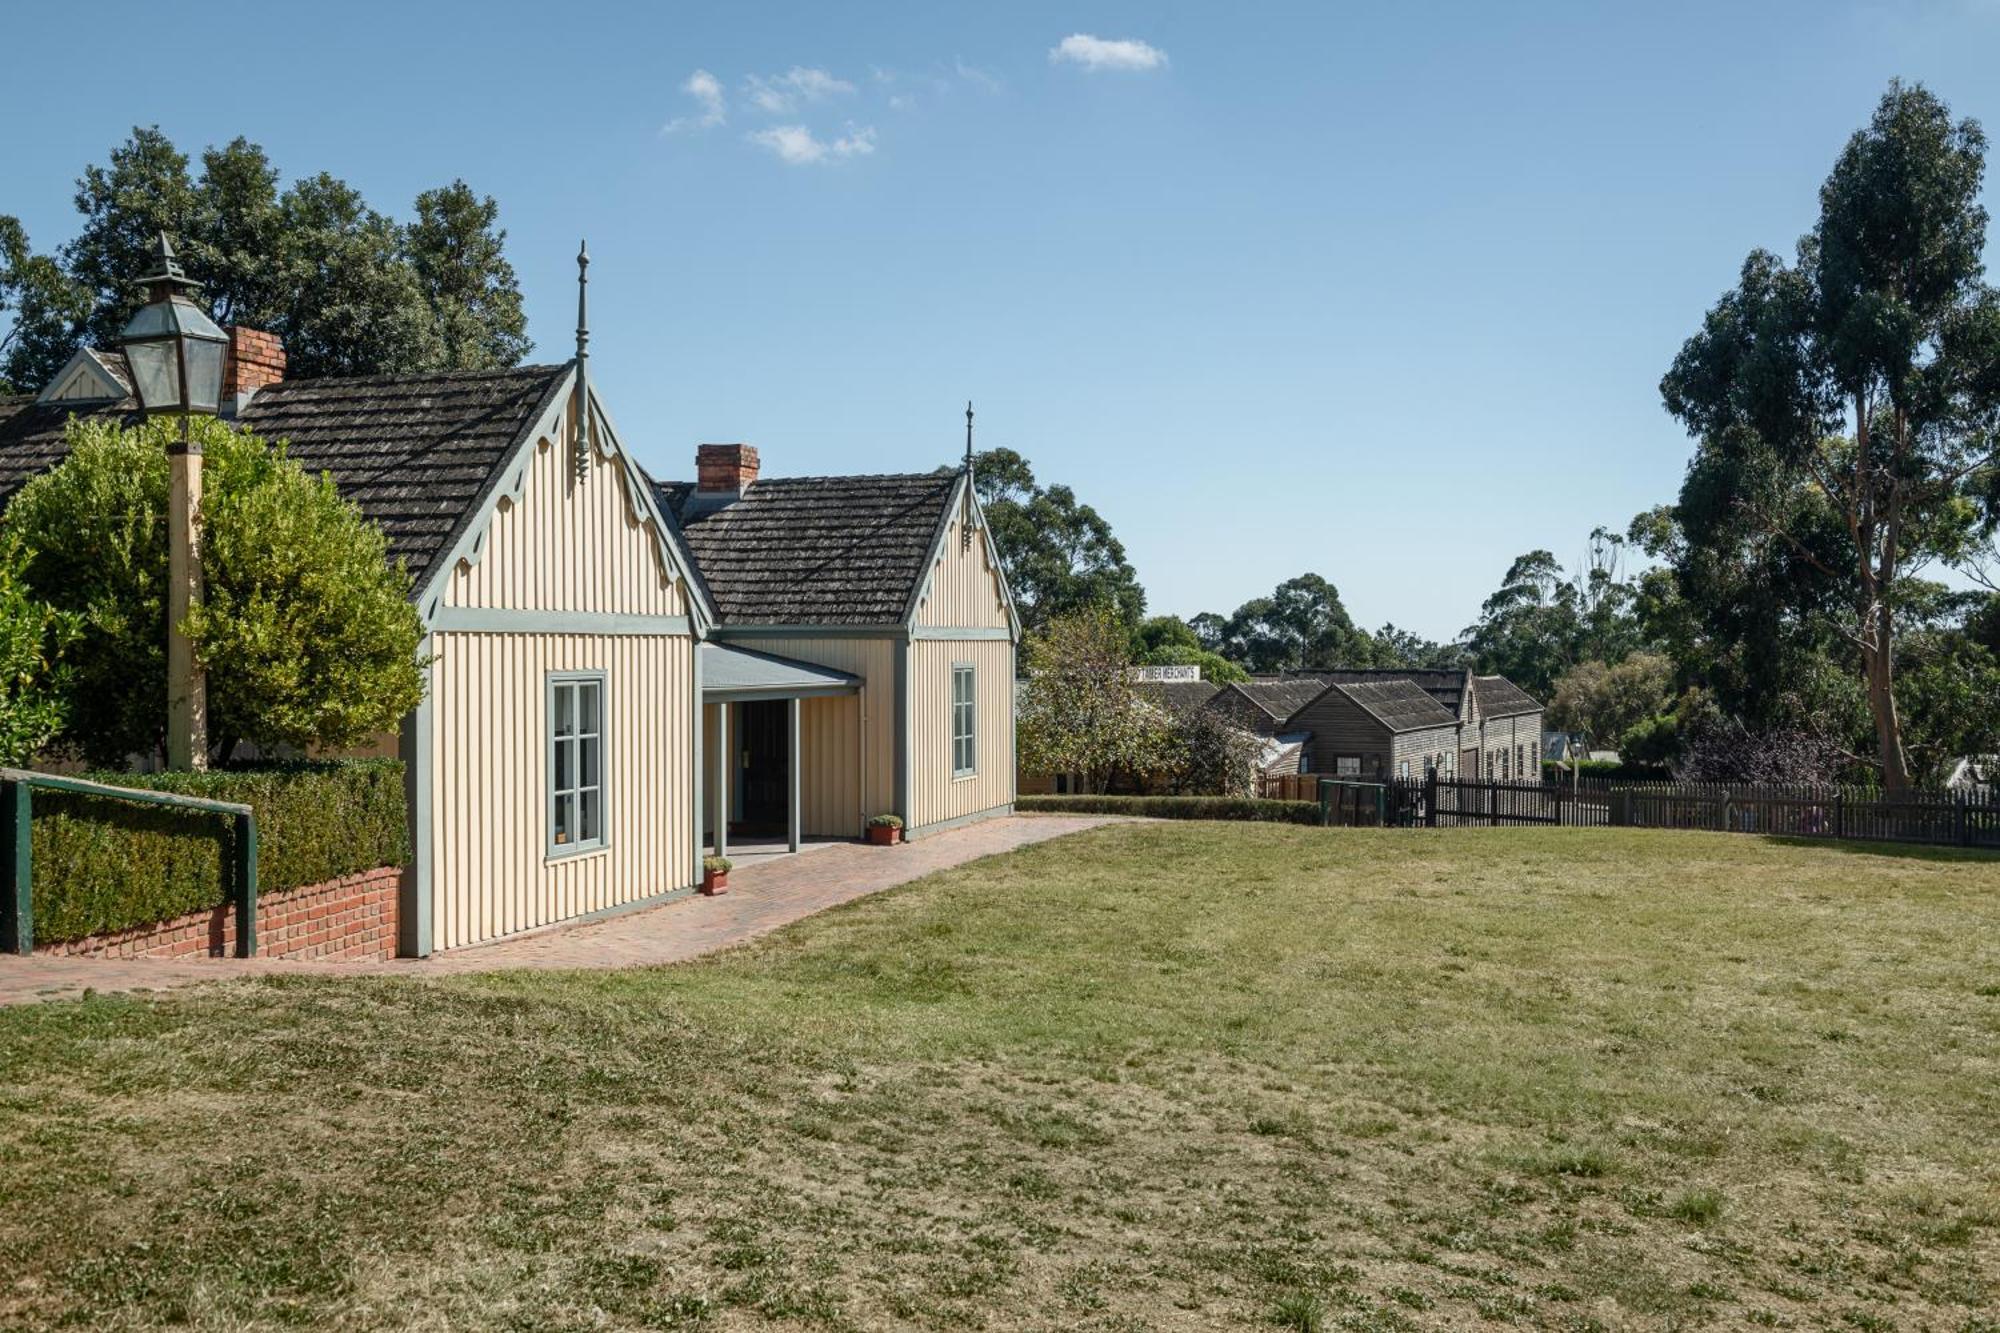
(176, 352)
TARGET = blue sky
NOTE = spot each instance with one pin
(1378, 291)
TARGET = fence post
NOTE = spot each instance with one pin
(1840, 814)
(1961, 833)
(246, 886)
(1431, 799)
(1621, 808)
(17, 863)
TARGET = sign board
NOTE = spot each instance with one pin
(1166, 674)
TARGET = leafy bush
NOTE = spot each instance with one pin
(717, 865)
(102, 864)
(885, 821)
(1552, 771)
(307, 629)
(1176, 807)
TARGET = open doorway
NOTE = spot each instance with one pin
(762, 734)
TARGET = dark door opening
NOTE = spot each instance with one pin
(763, 753)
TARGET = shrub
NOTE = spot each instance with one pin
(885, 821)
(1176, 807)
(1554, 771)
(717, 865)
(307, 629)
(103, 865)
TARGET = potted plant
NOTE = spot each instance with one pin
(884, 830)
(715, 874)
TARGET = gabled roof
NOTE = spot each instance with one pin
(1180, 694)
(1496, 696)
(815, 550)
(729, 669)
(1399, 705)
(418, 454)
(1280, 698)
(1444, 684)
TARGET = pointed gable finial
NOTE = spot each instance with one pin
(582, 451)
(582, 306)
(965, 529)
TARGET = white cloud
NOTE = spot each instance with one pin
(797, 146)
(1095, 53)
(706, 90)
(779, 93)
(978, 77)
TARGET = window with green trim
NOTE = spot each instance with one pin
(964, 754)
(576, 763)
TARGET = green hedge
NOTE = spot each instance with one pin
(1553, 771)
(1175, 807)
(102, 864)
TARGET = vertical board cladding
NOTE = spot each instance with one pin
(849, 742)
(936, 795)
(965, 589)
(556, 544)
(1425, 749)
(491, 872)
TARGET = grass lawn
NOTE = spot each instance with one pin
(1153, 1076)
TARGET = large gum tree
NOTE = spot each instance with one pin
(1865, 374)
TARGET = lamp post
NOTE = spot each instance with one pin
(175, 351)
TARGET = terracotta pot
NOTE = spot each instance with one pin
(884, 835)
(714, 882)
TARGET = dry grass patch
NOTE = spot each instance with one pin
(1153, 1076)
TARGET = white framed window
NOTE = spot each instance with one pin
(1403, 769)
(1347, 765)
(964, 749)
(576, 762)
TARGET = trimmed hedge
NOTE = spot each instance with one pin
(1175, 807)
(1553, 771)
(102, 864)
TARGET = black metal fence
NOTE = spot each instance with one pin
(1938, 818)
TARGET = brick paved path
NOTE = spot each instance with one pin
(760, 899)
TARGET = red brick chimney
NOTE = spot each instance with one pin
(254, 359)
(720, 468)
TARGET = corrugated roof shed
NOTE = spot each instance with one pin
(1281, 698)
(814, 550)
(1180, 693)
(1400, 705)
(416, 453)
(1499, 697)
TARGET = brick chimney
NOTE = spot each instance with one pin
(724, 471)
(254, 359)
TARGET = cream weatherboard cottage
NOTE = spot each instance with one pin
(625, 673)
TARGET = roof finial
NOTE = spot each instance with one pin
(582, 309)
(582, 451)
(971, 507)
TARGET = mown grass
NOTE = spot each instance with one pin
(1154, 1076)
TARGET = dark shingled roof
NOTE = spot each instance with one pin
(1282, 698)
(1399, 705)
(1445, 685)
(416, 453)
(1179, 694)
(1499, 697)
(814, 550)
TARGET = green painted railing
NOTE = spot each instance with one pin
(17, 853)
(1340, 797)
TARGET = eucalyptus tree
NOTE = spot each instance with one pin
(1846, 403)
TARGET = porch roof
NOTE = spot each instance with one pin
(732, 673)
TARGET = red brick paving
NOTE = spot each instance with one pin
(760, 899)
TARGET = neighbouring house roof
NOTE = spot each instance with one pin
(729, 670)
(1444, 684)
(1399, 705)
(1180, 693)
(1497, 696)
(814, 550)
(1280, 698)
(418, 454)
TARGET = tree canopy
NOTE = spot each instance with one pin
(1059, 554)
(349, 290)
(1844, 404)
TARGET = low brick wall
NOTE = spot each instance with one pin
(344, 920)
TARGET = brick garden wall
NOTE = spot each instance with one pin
(349, 919)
